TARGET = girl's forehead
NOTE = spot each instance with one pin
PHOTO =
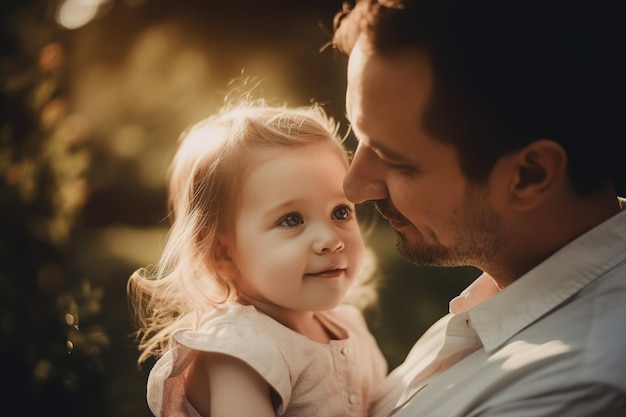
(283, 162)
(262, 154)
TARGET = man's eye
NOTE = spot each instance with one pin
(404, 168)
(291, 220)
(399, 167)
(341, 213)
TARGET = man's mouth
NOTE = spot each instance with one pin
(390, 214)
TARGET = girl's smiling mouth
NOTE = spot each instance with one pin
(329, 273)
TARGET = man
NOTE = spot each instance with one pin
(488, 137)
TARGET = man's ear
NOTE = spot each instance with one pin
(538, 169)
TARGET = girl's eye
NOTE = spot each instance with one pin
(341, 213)
(291, 220)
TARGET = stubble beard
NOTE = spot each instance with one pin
(479, 237)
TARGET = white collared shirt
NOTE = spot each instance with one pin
(553, 343)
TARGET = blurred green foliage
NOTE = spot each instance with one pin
(51, 338)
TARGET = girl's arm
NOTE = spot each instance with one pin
(223, 386)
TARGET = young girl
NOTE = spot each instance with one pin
(245, 306)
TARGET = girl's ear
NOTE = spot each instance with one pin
(539, 168)
(222, 261)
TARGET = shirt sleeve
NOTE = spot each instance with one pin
(583, 401)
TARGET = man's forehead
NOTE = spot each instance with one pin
(400, 80)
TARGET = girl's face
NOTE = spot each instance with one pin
(297, 245)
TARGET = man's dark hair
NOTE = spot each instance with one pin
(508, 73)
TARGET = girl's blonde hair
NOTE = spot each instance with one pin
(205, 175)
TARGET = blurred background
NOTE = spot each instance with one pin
(94, 96)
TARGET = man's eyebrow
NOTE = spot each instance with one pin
(387, 154)
(379, 148)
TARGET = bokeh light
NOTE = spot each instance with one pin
(72, 14)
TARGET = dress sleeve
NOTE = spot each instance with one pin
(248, 343)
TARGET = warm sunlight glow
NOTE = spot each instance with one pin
(73, 14)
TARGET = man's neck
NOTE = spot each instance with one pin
(547, 229)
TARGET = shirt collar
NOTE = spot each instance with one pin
(550, 283)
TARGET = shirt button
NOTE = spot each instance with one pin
(352, 399)
(346, 351)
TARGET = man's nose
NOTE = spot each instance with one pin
(365, 178)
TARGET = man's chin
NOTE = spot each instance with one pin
(421, 254)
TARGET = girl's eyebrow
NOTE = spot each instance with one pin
(291, 205)
(284, 206)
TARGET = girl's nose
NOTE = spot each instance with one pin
(328, 241)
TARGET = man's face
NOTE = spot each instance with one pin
(416, 180)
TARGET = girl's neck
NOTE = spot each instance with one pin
(305, 323)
